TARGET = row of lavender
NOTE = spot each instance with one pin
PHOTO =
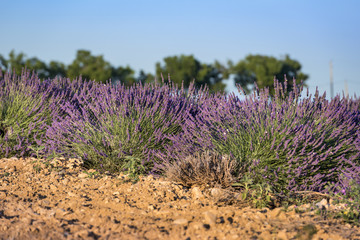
(291, 142)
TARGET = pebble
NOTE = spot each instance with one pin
(71, 194)
(181, 221)
(275, 212)
(265, 235)
(196, 225)
(210, 217)
(216, 192)
(282, 235)
(82, 175)
(196, 193)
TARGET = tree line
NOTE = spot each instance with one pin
(257, 69)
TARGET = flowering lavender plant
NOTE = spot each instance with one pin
(119, 128)
(27, 107)
(293, 143)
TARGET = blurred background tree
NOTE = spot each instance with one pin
(257, 69)
(15, 62)
(188, 69)
(90, 67)
(145, 77)
(56, 69)
(262, 70)
(123, 75)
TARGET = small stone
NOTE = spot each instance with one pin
(196, 193)
(2, 195)
(282, 235)
(150, 178)
(260, 215)
(216, 192)
(282, 216)
(196, 225)
(116, 193)
(65, 181)
(265, 235)
(82, 175)
(60, 212)
(210, 217)
(275, 212)
(71, 194)
(181, 221)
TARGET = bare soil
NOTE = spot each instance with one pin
(61, 201)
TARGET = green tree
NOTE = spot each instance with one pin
(55, 69)
(145, 77)
(90, 67)
(123, 75)
(38, 66)
(3, 63)
(262, 70)
(15, 62)
(187, 69)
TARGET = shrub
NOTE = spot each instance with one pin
(206, 168)
(27, 107)
(118, 128)
(291, 143)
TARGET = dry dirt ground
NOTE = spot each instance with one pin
(61, 201)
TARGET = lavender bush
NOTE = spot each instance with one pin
(118, 128)
(27, 108)
(293, 143)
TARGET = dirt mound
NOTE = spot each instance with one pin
(62, 201)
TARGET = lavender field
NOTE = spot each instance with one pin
(282, 144)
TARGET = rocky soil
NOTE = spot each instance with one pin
(62, 201)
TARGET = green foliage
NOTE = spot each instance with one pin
(124, 75)
(16, 62)
(351, 199)
(37, 150)
(257, 69)
(185, 69)
(145, 77)
(56, 69)
(38, 66)
(261, 70)
(89, 67)
(257, 194)
(133, 166)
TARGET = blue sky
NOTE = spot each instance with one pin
(140, 33)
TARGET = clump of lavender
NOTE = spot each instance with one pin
(27, 107)
(292, 143)
(119, 128)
